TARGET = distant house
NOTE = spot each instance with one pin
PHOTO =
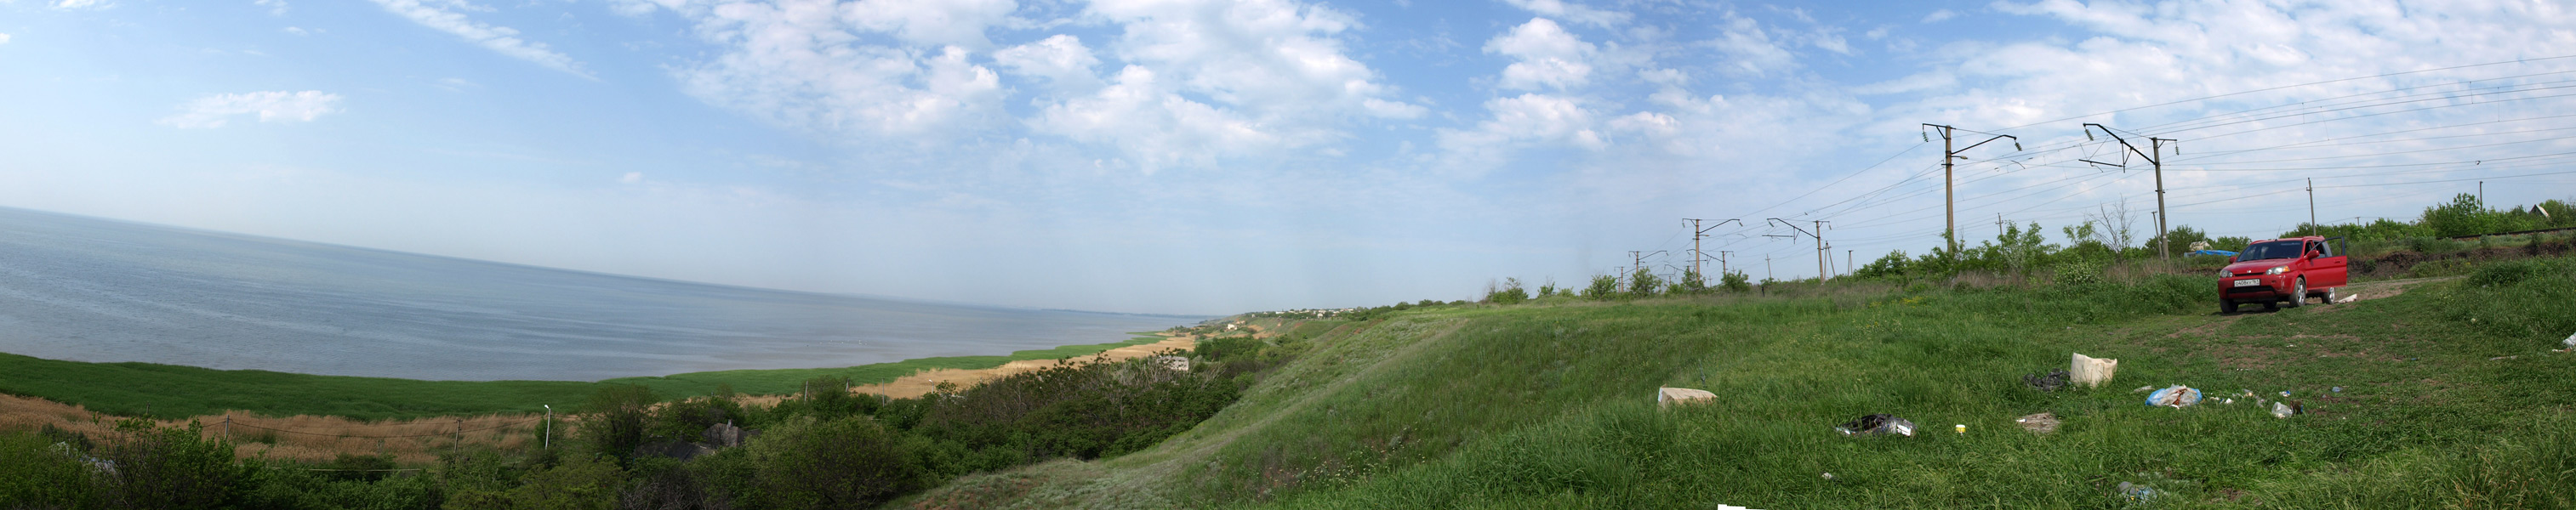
(2537, 211)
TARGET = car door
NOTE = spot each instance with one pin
(2330, 269)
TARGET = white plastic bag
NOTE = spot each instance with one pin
(2092, 372)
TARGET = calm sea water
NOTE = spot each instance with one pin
(87, 289)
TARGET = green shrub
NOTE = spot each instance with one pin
(176, 467)
(851, 462)
(34, 473)
(618, 419)
(1603, 287)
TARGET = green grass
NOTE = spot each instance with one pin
(1551, 406)
(171, 391)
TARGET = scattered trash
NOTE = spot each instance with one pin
(1960, 428)
(2571, 341)
(2502, 358)
(1877, 424)
(2136, 492)
(2338, 389)
(1667, 397)
(2175, 396)
(2284, 410)
(2227, 401)
(2050, 381)
(2143, 389)
(2092, 372)
(2348, 299)
(2041, 423)
(1829, 476)
(2285, 393)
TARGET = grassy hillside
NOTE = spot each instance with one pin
(171, 391)
(1550, 405)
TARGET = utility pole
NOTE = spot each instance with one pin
(1999, 224)
(2312, 206)
(1721, 261)
(1702, 233)
(1847, 262)
(1949, 179)
(1638, 264)
(1820, 243)
(2154, 154)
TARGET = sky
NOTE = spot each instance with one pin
(1221, 156)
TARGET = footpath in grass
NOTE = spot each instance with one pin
(172, 391)
(2449, 395)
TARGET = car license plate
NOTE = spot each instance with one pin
(2248, 282)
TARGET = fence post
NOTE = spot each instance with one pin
(228, 425)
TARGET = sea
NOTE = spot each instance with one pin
(89, 289)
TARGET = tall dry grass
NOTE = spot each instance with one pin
(308, 438)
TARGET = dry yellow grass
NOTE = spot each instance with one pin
(306, 438)
(921, 383)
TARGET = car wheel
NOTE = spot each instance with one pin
(2226, 306)
(2332, 295)
(2298, 293)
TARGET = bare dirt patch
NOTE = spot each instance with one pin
(922, 383)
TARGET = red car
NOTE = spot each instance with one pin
(2276, 271)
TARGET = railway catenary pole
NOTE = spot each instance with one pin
(2155, 156)
(1949, 178)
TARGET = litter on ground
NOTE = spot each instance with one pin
(2041, 423)
(2284, 410)
(1877, 424)
(2050, 381)
(2175, 396)
(1667, 397)
(2090, 371)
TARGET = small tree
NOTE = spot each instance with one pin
(1735, 281)
(1644, 283)
(1603, 287)
(1510, 293)
(1691, 283)
(619, 419)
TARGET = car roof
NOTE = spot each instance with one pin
(2308, 238)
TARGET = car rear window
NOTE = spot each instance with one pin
(2271, 250)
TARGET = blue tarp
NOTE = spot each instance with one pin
(2222, 253)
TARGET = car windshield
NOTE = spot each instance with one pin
(2271, 250)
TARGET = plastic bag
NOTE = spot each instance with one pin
(1877, 424)
(2175, 396)
(2091, 371)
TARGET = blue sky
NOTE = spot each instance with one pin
(1215, 156)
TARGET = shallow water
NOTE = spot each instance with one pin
(88, 289)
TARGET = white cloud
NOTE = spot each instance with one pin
(212, 110)
(1278, 60)
(1548, 56)
(1572, 11)
(1061, 59)
(442, 15)
(4, 38)
(806, 64)
(1515, 121)
(83, 4)
(1939, 16)
(631, 178)
(931, 22)
(1141, 117)
(275, 7)
(298, 31)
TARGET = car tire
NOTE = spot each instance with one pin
(2226, 306)
(2332, 295)
(2298, 292)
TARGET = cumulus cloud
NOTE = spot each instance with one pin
(443, 16)
(1939, 16)
(1572, 11)
(275, 7)
(811, 64)
(1061, 59)
(83, 4)
(4, 38)
(212, 110)
(931, 22)
(1548, 57)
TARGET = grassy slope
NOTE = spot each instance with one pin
(171, 391)
(1550, 406)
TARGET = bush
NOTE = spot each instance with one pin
(1644, 284)
(158, 467)
(579, 483)
(1509, 293)
(1603, 287)
(618, 419)
(1735, 281)
(36, 474)
(851, 462)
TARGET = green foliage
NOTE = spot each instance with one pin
(178, 467)
(1644, 283)
(1603, 287)
(2523, 299)
(617, 419)
(578, 483)
(850, 462)
(1691, 283)
(1735, 281)
(34, 473)
(1510, 293)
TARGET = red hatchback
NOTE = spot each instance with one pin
(2276, 271)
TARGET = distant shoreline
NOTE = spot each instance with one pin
(177, 391)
